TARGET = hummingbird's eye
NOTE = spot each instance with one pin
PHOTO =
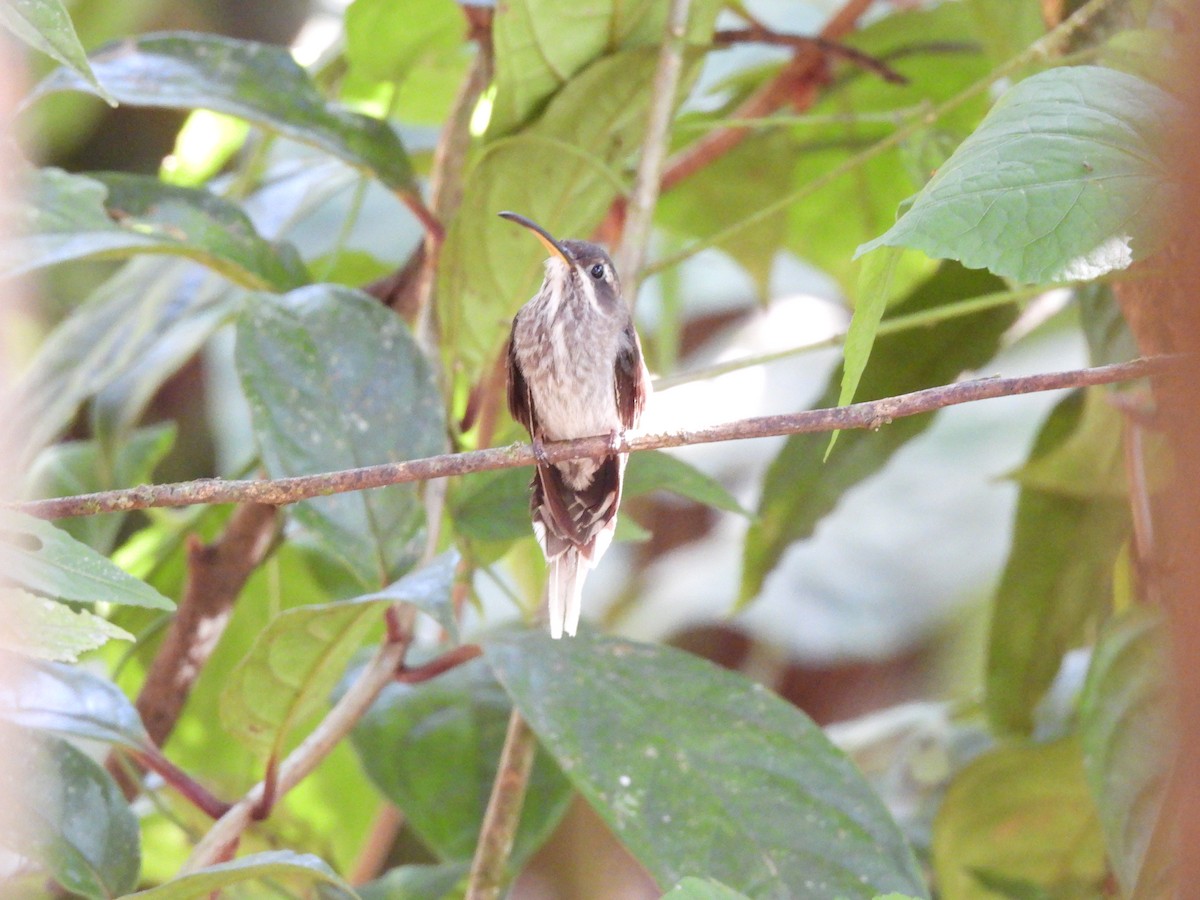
(597, 271)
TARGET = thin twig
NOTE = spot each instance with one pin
(223, 837)
(759, 35)
(439, 664)
(632, 251)
(696, 156)
(921, 319)
(871, 414)
(151, 758)
(503, 814)
(795, 85)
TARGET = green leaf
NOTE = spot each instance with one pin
(287, 865)
(1090, 461)
(385, 40)
(654, 471)
(336, 381)
(258, 82)
(800, 488)
(1020, 814)
(541, 46)
(563, 173)
(763, 802)
(493, 507)
(1064, 179)
(69, 701)
(1058, 578)
(63, 810)
(137, 314)
(46, 25)
(47, 560)
(432, 749)
(732, 187)
(927, 46)
(416, 883)
(297, 660)
(113, 215)
(1125, 722)
(875, 289)
(203, 145)
(703, 889)
(46, 629)
(82, 467)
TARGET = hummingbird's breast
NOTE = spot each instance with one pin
(567, 348)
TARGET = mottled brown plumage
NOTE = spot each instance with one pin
(575, 370)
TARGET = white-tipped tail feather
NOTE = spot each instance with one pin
(565, 601)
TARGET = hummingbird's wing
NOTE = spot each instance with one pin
(631, 381)
(520, 401)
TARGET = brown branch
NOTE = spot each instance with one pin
(151, 758)
(216, 574)
(438, 665)
(795, 84)
(757, 34)
(503, 814)
(871, 414)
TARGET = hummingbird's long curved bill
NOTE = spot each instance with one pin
(541, 234)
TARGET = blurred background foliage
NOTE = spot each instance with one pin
(234, 277)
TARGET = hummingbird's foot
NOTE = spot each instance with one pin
(539, 452)
(615, 439)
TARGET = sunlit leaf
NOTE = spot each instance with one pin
(203, 145)
(1125, 722)
(296, 661)
(336, 381)
(875, 288)
(47, 629)
(70, 701)
(272, 865)
(1020, 814)
(114, 215)
(46, 25)
(800, 488)
(541, 45)
(1057, 578)
(258, 82)
(47, 560)
(763, 803)
(63, 810)
(1063, 179)
(386, 40)
(563, 173)
(432, 749)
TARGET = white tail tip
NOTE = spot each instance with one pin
(565, 593)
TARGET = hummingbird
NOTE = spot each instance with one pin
(575, 369)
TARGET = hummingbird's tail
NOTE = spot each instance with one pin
(567, 572)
